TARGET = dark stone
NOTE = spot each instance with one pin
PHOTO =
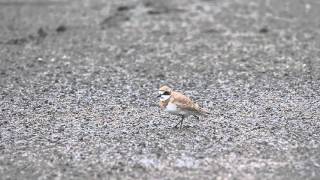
(264, 30)
(61, 28)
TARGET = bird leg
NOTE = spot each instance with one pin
(180, 122)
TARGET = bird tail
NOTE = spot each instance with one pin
(202, 111)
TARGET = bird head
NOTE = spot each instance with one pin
(164, 93)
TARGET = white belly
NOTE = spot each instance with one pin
(173, 109)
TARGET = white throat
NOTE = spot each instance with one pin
(164, 97)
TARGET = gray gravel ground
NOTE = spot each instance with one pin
(79, 79)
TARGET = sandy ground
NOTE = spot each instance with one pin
(79, 80)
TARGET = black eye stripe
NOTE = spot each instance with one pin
(166, 93)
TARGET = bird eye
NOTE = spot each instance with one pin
(166, 93)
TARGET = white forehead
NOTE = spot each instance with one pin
(161, 92)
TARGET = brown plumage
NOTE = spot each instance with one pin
(178, 104)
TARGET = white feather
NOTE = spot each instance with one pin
(171, 108)
(164, 97)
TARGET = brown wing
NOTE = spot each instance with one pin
(184, 103)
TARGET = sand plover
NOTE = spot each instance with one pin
(178, 104)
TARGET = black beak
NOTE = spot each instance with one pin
(159, 96)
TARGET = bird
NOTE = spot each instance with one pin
(179, 104)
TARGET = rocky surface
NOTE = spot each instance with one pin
(79, 79)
